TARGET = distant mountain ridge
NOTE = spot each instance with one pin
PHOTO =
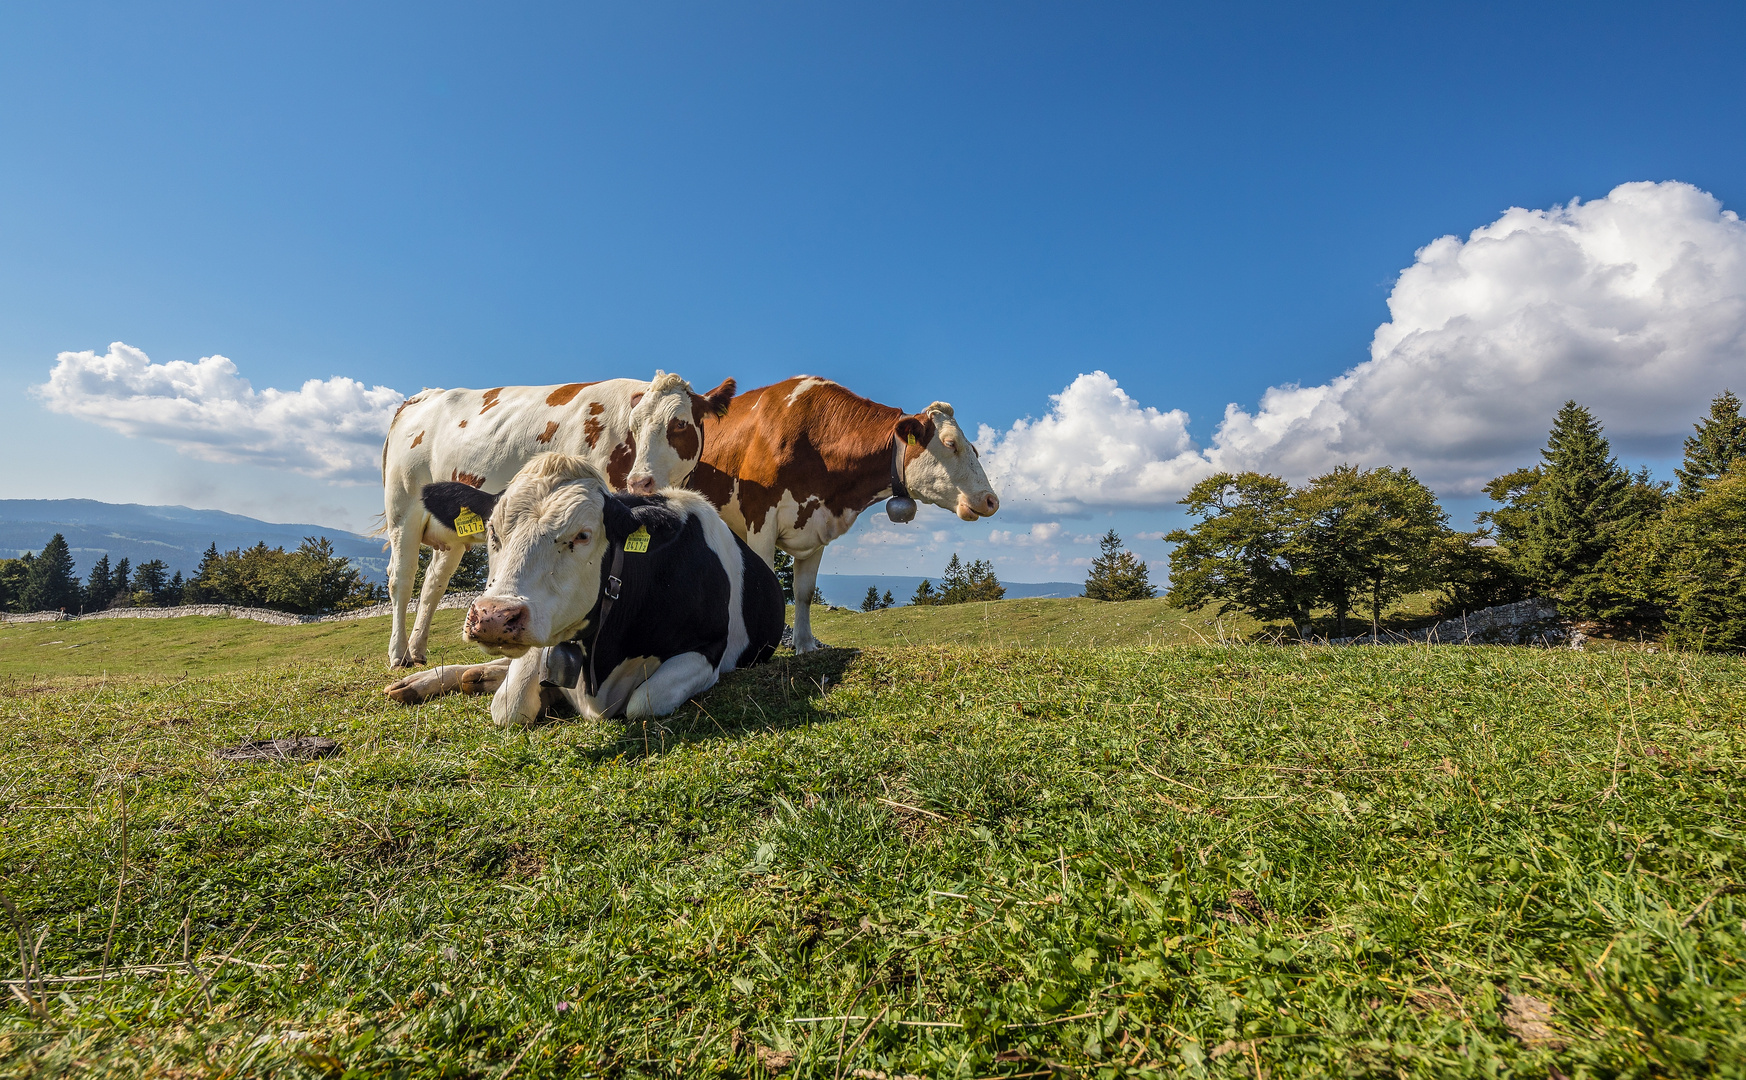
(176, 534)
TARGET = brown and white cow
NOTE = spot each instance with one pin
(792, 466)
(643, 436)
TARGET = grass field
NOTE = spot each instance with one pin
(928, 861)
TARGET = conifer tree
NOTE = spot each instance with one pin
(1719, 443)
(97, 586)
(1586, 504)
(52, 586)
(870, 602)
(173, 592)
(784, 567)
(120, 585)
(1117, 574)
(152, 577)
(925, 596)
(886, 600)
(962, 584)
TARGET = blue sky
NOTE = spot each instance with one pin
(969, 202)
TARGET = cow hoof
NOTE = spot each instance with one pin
(403, 663)
(405, 691)
(813, 645)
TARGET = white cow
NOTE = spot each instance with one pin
(642, 436)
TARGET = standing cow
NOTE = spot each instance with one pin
(792, 466)
(659, 595)
(643, 436)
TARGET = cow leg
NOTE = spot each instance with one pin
(448, 679)
(443, 563)
(672, 685)
(615, 690)
(518, 700)
(805, 579)
(405, 526)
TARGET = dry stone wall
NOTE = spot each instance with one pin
(224, 611)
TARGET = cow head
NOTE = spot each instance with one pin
(666, 431)
(948, 471)
(546, 534)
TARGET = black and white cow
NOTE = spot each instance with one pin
(658, 593)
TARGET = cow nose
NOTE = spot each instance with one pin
(640, 485)
(493, 622)
(990, 503)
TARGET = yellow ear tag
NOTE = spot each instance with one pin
(469, 524)
(911, 440)
(637, 541)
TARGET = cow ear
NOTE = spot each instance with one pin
(715, 403)
(636, 397)
(917, 429)
(446, 499)
(620, 522)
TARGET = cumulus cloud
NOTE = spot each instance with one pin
(331, 429)
(1634, 304)
(1096, 447)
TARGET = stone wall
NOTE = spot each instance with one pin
(1527, 622)
(228, 611)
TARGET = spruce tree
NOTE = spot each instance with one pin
(784, 567)
(925, 596)
(1719, 443)
(1586, 505)
(1117, 574)
(870, 602)
(97, 587)
(121, 584)
(886, 600)
(173, 592)
(52, 586)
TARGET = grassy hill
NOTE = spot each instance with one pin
(933, 861)
(1039, 623)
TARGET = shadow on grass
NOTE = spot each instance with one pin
(788, 691)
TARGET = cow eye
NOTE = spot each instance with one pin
(952, 445)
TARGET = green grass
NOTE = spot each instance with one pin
(1025, 862)
(1028, 623)
(201, 645)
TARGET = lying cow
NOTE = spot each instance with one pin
(643, 436)
(792, 466)
(658, 594)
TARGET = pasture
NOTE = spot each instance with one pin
(920, 860)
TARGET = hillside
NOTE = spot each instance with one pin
(175, 534)
(927, 861)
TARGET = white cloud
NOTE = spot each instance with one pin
(1040, 534)
(1096, 447)
(1158, 535)
(1634, 305)
(330, 429)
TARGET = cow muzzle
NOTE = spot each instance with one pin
(975, 509)
(498, 624)
(640, 485)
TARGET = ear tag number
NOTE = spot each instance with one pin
(637, 541)
(911, 439)
(469, 524)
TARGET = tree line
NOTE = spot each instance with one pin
(1607, 545)
(308, 580)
